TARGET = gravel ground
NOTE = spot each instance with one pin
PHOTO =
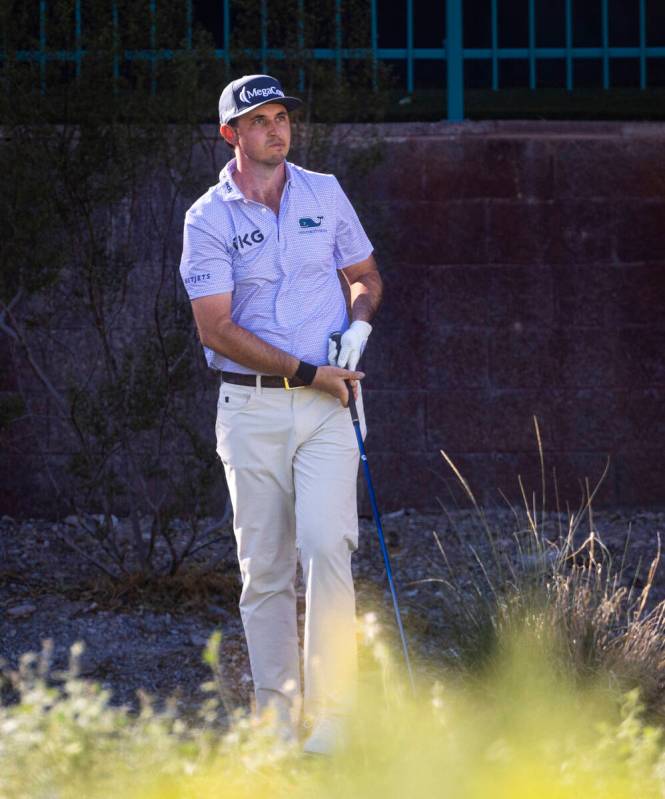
(153, 638)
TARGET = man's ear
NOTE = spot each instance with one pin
(228, 134)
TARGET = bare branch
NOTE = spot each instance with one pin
(67, 540)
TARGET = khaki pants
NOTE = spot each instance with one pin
(291, 462)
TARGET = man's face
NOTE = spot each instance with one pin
(263, 135)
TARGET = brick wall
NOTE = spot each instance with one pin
(525, 275)
(525, 271)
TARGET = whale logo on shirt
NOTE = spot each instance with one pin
(307, 221)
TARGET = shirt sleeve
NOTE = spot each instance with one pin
(206, 265)
(351, 242)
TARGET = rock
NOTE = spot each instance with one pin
(198, 640)
(80, 607)
(95, 666)
(90, 520)
(21, 611)
(152, 623)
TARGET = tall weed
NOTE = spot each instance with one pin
(553, 574)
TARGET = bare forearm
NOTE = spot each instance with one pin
(243, 347)
(366, 293)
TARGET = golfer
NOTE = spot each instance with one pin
(263, 253)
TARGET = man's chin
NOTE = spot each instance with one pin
(271, 158)
(276, 157)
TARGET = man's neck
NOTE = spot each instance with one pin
(260, 182)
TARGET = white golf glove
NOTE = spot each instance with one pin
(352, 346)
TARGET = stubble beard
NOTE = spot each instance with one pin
(267, 157)
(275, 159)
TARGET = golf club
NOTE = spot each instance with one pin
(337, 338)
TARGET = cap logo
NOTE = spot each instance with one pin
(246, 95)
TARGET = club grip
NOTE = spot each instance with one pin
(337, 338)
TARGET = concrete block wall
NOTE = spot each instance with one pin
(525, 275)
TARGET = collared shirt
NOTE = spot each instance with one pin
(281, 269)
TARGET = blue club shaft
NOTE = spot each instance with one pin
(379, 528)
(337, 338)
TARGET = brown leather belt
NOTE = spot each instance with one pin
(267, 381)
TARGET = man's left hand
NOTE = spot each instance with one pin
(352, 345)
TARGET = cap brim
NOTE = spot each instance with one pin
(291, 103)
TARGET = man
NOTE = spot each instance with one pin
(261, 254)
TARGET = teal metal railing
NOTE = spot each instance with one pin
(453, 53)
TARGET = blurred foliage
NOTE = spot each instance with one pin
(523, 731)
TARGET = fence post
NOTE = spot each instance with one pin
(77, 36)
(643, 45)
(301, 44)
(153, 47)
(189, 21)
(42, 46)
(227, 39)
(374, 35)
(409, 47)
(455, 60)
(116, 47)
(264, 35)
(338, 40)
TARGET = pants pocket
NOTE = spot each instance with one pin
(233, 404)
(232, 397)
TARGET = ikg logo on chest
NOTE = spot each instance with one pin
(243, 240)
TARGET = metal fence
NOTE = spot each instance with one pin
(453, 53)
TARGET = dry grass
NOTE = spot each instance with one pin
(189, 589)
(541, 577)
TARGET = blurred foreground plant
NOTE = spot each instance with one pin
(524, 731)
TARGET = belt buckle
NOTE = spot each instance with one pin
(289, 387)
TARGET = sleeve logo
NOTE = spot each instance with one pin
(197, 278)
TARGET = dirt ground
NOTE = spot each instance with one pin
(152, 638)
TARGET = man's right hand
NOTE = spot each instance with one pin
(332, 380)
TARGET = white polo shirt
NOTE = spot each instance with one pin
(281, 269)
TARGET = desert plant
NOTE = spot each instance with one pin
(96, 177)
(519, 734)
(553, 573)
